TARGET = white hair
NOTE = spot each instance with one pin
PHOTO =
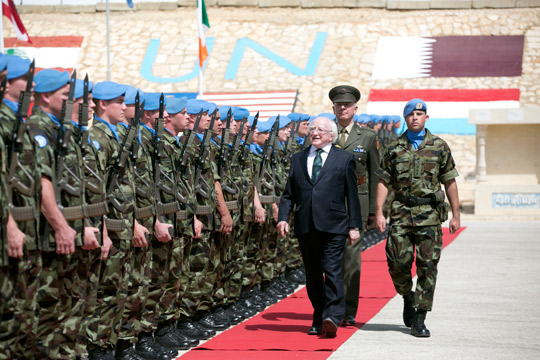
(332, 125)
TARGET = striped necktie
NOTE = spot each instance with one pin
(317, 165)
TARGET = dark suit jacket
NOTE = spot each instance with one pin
(362, 143)
(331, 203)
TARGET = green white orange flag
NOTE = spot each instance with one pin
(204, 25)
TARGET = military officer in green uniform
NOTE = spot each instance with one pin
(415, 165)
(362, 143)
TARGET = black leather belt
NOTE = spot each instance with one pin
(413, 200)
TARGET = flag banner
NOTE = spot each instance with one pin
(10, 11)
(130, 3)
(448, 56)
(204, 25)
(448, 110)
(267, 103)
(50, 52)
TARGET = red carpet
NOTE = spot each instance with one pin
(280, 330)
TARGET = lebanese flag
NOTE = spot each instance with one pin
(448, 110)
(10, 11)
(448, 56)
(50, 52)
(204, 25)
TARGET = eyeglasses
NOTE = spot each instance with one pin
(319, 130)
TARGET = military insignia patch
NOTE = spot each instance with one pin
(418, 105)
(96, 144)
(41, 140)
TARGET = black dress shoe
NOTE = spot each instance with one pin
(243, 310)
(209, 322)
(100, 354)
(418, 327)
(329, 328)
(348, 320)
(183, 337)
(147, 348)
(222, 317)
(190, 329)
(127, 354)
(315, 330)
(167, 337)
(251, 304)
(408, 309)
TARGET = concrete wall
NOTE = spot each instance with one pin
(29, 6)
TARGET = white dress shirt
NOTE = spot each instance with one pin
(313, 153)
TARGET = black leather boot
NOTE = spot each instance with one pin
(96, 353)
(408, 309)
(192, 330)
(149, 349)
(125, 351)
(418, 327)
(165, 335)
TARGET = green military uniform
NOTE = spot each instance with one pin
(416, 174)
(105, 324)
(362, 143)
(19, 314)
(61, 293)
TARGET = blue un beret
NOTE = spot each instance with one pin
(239, 113)
(328, 116)
(283, 121)
(266, 125)
(108, 90)
(194, 106)
(151, 101)
(363, 118)
(16, 66)
(79, 88)
(175, 105)
(131, 93)
(223, 110)
(395, 118)
(251, 119)
(211, 107)
(50, 80)
(414, 104)
(3, 62)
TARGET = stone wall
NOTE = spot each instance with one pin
(26, 6)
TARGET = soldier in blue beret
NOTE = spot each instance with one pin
(129, 100)
(415, 166)
(176, 108)
(3, 67)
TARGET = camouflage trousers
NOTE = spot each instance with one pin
(280, 262)
(400, 249)
(19, 282)
(184, 277)
(168, 309)
(138, 272)
(233, 273)
(269, 253)
(60, 300)
(250, 274)
(202, 263)
(90, 265)
(104, 326)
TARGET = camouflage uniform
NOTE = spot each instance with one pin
(112, 292)
(138, 268)
(96, 200)
(171, 301)
(61, 291)
(293, 258)
(18, 314)
(418, 173)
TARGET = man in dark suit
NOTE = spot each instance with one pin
(321, 189)
(362, 143)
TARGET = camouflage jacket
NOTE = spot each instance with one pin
(416, 172)
(26, 172)
(46, 131)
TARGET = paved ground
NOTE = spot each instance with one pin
(487, 303)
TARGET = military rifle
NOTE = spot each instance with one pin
(236, 143)
(260, 172)
(203, 153)
(27, 185)
(249, 138)
(159, 175)
(190, 135)
(120, 161)
(224, 144)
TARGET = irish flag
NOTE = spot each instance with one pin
(448, 109)
(204, 25)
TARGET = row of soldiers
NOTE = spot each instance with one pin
(134, 225)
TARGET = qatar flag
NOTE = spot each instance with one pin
(448, 56)
(448, 110)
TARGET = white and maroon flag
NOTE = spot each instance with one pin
(50, 52)
(10, 11)
(448, 56)
(448, 110)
